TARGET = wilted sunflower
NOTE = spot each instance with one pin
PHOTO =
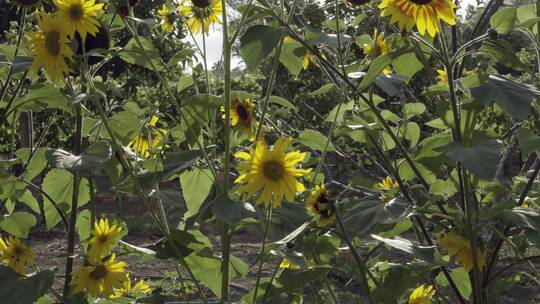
(241, 113)
(167, 18)
(422, 295)
(51, 47)
(101, 277)
(460, 247)
(320, 207)
(150, 140)
(200, 14)
(15, 254)
(139, 288)
(79, 16)
(103, 240)
(273, 172)
(426, 14)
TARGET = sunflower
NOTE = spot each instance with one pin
(426, 14)
(167, 18)
(460, 247)
(241, 112)
(101, 277)
(320, 207)
(200, 14)
(149, 141)
(139, 288)
(15, 254)
(79, 16)
(443, 77)
(422, 295)
(380, 47)
(103, 240)
(286, 264)
(388, 188)
(50, 47)
(273, 172)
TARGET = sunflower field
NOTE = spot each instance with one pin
(269, 151)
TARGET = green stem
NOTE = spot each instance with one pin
(261, 252)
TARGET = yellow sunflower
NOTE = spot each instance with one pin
(103, 240)
(100, 277)
(286, 264)
(273, 172)
(139, 288)
(422, 295)
(50, 47)
(426, 14)
(443, 77)
(460, 247)
(150, 141)
(15, 254)
(319, 206)
(388, 188)
(241, 112)
(200, 14)
(167, 18)
(380, 47)
(79, 16)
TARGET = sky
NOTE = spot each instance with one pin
(214, 44)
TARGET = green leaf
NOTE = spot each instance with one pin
(292, 56)
(316, 36)
(375, 69)
(407, 65)
(22, 63)
(18, 223)
(146, 56)
(282, 101)
(177, 161)
(30, 201)
(391, 84)
(502, 52)
(15, 289)
(524, 217)
(257, 43)
(426, 253)
(513, 97)
(184, 82)
(231, 212)
(58, 184)
(294, 279)
(528, 142)
(41, 97)
(503, 20)
(178, 244)
(481, 159)
(196, 185)
(461, 278)
(91, 160)
(327, 88)
(124, 126)
(83, 224)
(315, 140)
(413, 109)
(37, 163)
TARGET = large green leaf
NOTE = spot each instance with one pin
(292, 56)
(481, 159)
(38, 162)
(146, 56)
(426, 253)
(18, 224)
(524, 217)
(528, 142)
(460, 278)
(513, 97)
(315, 140)
(231, 212)
(58, 184)
(196, 185)
(502, 52)
(124, 126)
(15, 289)
(503, 20)
(257, 43)
(91, 160)
(41, 97)
(407, 65)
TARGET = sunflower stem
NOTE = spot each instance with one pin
(261, 252)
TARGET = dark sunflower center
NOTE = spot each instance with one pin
(242, 112)
(323, 206)
(170, 18)
(99, 273)
(52, 43)
(102, 239)
(76, 12)
(18, 251)
(201, 3)
(273, 170)
(421, 2)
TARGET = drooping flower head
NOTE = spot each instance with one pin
(100, 277)
(460, 247)
(425, 14)
(104, 239)
(241, 113)
(274, 172)
(200, 14)
(50, 47)
(15, 254)
(150, 141)
(320, 207)
(168, 17)
(422, 295)
(79, 16)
